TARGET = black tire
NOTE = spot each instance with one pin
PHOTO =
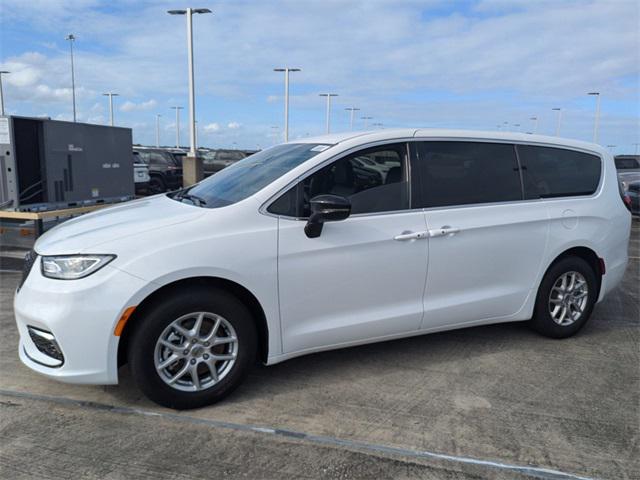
(141, 348)
(542, 321)
(156, 185)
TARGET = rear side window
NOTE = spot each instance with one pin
(463, 173)
(555, 172)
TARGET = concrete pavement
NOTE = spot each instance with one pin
(500, 394)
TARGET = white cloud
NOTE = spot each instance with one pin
(129, 106)
(233, 125)
(212, 128)
(401, 62)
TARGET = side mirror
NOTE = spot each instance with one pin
(326, 208)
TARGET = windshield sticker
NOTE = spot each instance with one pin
(320, 148)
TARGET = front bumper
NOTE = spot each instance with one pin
(81, 315)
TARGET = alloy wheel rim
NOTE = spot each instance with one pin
(196, 351)
(568, 298)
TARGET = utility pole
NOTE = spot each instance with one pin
(596, 120)
(351, 111)
(535, 124)
(72, 39)
(110, 95)
(2, 72)
(328, 120)
(366, 121)
(286, 71)
(158, 130)
(177, 109)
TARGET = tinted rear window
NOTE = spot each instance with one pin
(555, 172)
(462, 173)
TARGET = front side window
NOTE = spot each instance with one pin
(463, 173)
(248, 176)
(555, 172)
(374, 180)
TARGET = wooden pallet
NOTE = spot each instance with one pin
(38, 217)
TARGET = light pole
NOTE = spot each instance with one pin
(366, 121)
(110, 95)
(158, 130)
(352, 110)
(596, 120)
(177, 109)
(286, 71)
(328, 95)
(559, 110)
(2, 72)
(381, 125)
(611, 147)
(192, 100)
(636, 145)
(517, 125)
(535, 124)
(72, 39)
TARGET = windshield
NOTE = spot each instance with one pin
(246, 177)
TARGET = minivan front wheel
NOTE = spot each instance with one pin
(565, 299)
(193, 348)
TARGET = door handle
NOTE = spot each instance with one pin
(404, 236)
(443, 231)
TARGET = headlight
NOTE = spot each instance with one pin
(71, 267)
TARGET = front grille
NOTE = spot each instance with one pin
(46, 343)
(29, 259)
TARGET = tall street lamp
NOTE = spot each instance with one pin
(559, 110)
(535, 124)
(286, 71)
(191, 165)
(611, 147)
(596, 120)
(328, 95)
(158, 130)
(636, 145)
(177, 109)
(2, 72)
(517, 125)
(72, 39)
(366, 121)
(351, 110)
(110, 95)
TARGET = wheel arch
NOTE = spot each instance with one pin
(585, 253)
(239, 291)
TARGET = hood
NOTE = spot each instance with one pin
(85, 233)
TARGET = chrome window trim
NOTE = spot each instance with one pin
(408, 140)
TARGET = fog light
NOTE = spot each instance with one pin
(46, 343)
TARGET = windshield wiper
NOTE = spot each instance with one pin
(195, 199)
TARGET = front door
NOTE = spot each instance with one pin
(362, 278)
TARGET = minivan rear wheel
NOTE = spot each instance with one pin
(192, 349)
(565, 299)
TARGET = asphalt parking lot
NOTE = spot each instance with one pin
(489, 402)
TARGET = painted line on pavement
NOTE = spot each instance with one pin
(538, 472)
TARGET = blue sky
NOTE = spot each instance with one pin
(432, 63)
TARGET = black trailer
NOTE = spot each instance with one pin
(50, 164)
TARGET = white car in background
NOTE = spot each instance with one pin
(141, 176)
(295, 250)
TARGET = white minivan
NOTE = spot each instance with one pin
(320, 244)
